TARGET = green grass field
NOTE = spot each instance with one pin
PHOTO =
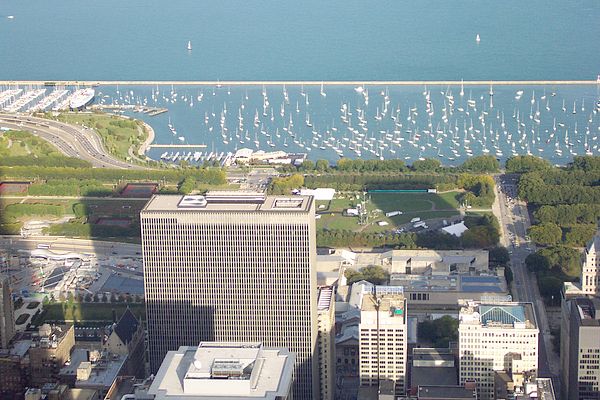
(423, 205)
(87, 311)
(20, 143)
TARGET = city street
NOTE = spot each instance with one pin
(514, 223)
(71, 140)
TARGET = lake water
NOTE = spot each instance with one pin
(303, 40)
(407, 122)
(321, 41)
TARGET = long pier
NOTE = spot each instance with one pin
(176, 146)
(306, 83)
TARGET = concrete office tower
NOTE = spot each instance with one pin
(383, 338)
(7, 314)
(580, 348)
(498, 336)
(326, 341)
(232, 266)
(590, 270)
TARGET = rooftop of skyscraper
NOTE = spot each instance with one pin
(498, 314)
(224, 370)
(229, 201)
(385, 298)
(324, 298)
(588, 308)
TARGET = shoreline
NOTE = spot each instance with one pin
(307, 83)
(145, 145)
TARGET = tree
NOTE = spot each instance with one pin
(526, 163)
(428, 164)
(372, 273)
(284, 185)
(550, 287)
(536, 262)
(485, 163)
(546, 234)
(307, 165)
(499, 255)
(439, 332)
(187, 185)
(322, 165)
(508, 275)
(564, 260)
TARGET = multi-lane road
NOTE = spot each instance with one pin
(71, 140)
(515, 222)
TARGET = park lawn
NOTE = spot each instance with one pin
(94, 207)
(25, 144)
(88, 311)
(423, 205)
(118, 133)
(397, 221)
(406, 202)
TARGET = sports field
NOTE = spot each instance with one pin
(423, 205)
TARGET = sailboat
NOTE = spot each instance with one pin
(477, 38)
(189, 45)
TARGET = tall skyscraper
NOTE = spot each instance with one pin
(7, 314)
(232, 266)
(580, 348)
(590, 270)
(493, 337)
(383, 338)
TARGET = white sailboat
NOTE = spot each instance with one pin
(477, 38)
(189, 45)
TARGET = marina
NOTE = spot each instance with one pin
(450, 122)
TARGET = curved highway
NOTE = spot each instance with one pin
(71, 140)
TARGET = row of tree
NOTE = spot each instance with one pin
(568, 214)
(70, 187)
(549, 234)
(555, 187)
(355, 181)
(553, 266)
(210, 176)
(479, 164)
(483, 233)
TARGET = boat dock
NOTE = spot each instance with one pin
(150, 111)
(176, 146)
(307, 83)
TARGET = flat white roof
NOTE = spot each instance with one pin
(228, 201)
(456, 229)
(199, 372)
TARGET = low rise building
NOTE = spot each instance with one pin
(94, 370)
(50, 350)
(417, 261)
(232, 371)
(445, 392)
(126, 338)
(432, 367)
